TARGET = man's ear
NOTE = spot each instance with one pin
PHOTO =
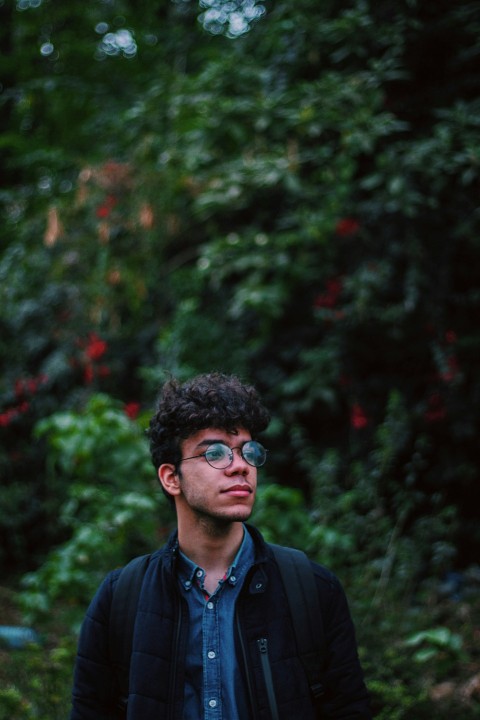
(169, 479)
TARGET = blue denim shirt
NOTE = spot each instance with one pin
(214, 688)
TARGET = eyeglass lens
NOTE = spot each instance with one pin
(220, 456)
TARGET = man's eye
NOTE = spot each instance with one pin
(215, 453)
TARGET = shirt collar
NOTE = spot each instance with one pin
(189, 572)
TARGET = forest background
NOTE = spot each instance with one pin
(284, 190)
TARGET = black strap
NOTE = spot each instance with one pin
(299, 582)
(122, 620)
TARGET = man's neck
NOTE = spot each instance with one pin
(211, 546)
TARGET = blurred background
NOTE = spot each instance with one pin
(288, 191)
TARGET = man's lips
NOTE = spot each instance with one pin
(238, 490)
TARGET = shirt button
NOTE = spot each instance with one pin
(199, 573)
(188, 584)
(210, 605)
(233, 579)
(212, 703)
(211, 654)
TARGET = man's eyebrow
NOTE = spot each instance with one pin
(210, 441)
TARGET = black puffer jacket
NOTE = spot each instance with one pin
(159, 648)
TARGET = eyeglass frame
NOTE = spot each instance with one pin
(230, 453)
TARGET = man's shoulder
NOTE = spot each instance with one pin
(323, 575)
(145, 561)
(153, 558)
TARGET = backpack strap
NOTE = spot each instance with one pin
(122, 621)
(300, 587)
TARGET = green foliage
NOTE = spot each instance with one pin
(113, 511)
(13, 706)
(87, 445)
(281, 515)
(430, 643)
(399, 701)
(41, 680)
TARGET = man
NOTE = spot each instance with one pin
(213, 636)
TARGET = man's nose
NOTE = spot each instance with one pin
(238, 464)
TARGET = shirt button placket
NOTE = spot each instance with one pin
(212, 676)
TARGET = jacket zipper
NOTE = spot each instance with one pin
(262, 644)
(247, 670)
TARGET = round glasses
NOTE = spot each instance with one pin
(220, 456)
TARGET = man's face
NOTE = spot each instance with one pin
(227, 494)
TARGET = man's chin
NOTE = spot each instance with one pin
(238, 515)
(234, 515)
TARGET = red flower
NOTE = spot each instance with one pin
(104, 210)
(334, 286)
(90, 371)
(436, 409)
(24, 386)
(96, 347)
(12, 413)
(453, 369)
(329, 298)
(347, 227)
(358, 418)
(6, 418)
(132, 409)
(19, 389)
(324, 301)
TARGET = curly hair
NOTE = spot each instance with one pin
(213, 400)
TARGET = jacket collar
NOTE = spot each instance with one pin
(261, 547)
